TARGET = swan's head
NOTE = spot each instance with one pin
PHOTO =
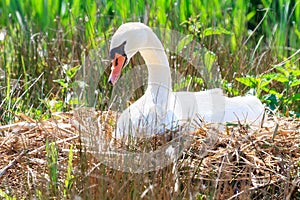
(127, 40)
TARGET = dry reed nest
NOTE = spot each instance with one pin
(241, 162)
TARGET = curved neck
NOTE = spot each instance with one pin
(153, 52)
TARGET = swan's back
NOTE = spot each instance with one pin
(244, 109)
(213, 106)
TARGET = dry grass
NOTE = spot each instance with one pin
(242, 163)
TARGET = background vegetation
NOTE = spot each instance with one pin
(43, 44)
(256, 44)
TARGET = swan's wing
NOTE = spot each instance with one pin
(213, 106)
(245, 109)
(209, 104)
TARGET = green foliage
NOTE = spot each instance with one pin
(229, 88)
(38, 194)
(69, 177)
(200, 197)
(278, 89)
(58, 186)
(52, 39)
(184, 41)
(6, 196)
(185, 83)
(52, 165)
(68, 84)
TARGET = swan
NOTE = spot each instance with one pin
(160, 108)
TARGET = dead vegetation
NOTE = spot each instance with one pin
(242, 163)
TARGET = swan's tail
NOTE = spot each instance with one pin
(247, 109)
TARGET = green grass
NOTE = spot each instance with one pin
(249, 38)
(255, 44)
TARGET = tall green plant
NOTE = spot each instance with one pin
(52, 165)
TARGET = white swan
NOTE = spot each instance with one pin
(160, 108)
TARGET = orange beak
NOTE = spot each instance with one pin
(117, 64)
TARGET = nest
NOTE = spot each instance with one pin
(239, 162)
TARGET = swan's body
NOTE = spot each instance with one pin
(160, 108)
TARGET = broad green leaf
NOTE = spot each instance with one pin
(269, 76)
(61, 82)
(248, 81)
(283, 70)
(215, 31)
(295, 72)
(198, 80)
(281, 78)
(264, 83)
(295, 83)
(296, 97)
(209, 59)
(273, 91)
(184, 41)
(72, 71)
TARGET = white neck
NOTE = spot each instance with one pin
(157, 62)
